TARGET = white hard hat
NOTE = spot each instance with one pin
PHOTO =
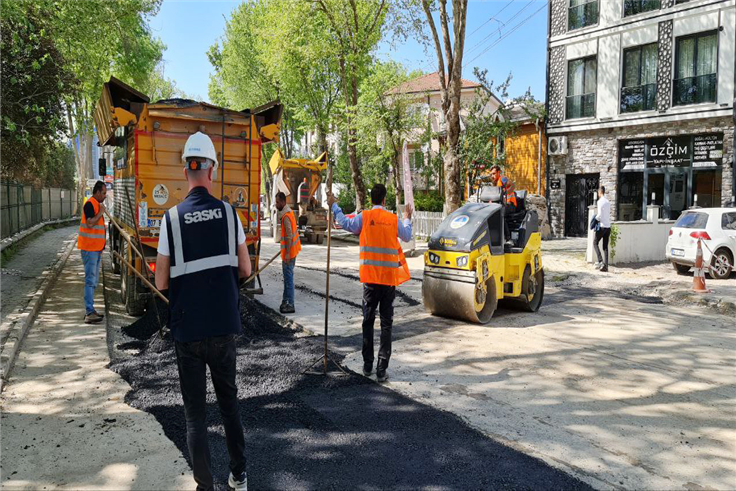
(199, 145)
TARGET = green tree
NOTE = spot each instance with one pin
(355, 26)
(385, 118)
(34, 75)
(449, 53)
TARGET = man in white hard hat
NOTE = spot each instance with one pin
(202, 254)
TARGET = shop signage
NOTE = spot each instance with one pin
(555, 183)
(671, 151)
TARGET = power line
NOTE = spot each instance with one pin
(503, 24)
(492, 18)
(507, 34)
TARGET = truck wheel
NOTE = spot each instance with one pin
(320, 239)
(682, 269)
(129, 289)
(115, 246)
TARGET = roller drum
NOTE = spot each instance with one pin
(453, 295)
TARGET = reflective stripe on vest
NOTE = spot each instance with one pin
(296, 243)
(382, 261)
(186, 267)
(91, 237)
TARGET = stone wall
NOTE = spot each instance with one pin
(596, 151)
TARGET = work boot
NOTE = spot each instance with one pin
(604, 268)
(287, 308)
(92, 318)
(367, 368)
(239, 483)
(381, 375)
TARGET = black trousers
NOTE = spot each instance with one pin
(218, 353)
(605, 234)
(381, 298)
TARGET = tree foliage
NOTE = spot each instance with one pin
(34, 74)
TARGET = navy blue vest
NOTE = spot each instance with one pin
(203, 285)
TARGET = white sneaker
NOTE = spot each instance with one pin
(238, 484)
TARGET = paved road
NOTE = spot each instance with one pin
(607, 384)
(22, 275)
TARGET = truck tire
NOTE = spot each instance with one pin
(129, 289)
(115, 246)
(320, 239)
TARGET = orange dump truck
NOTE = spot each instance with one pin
(149, 173)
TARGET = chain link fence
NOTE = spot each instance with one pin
(24, 206)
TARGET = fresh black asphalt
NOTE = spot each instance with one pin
(316, 432)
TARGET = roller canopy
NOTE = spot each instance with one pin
(463, 229)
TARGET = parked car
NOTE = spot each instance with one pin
(717, 229)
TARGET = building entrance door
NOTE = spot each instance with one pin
(580, 192)
(678, 193)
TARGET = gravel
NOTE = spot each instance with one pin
(335, 432)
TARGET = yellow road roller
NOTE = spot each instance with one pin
(480, 256)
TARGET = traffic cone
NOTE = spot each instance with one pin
(699, 272)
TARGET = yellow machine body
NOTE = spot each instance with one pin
(466, 273)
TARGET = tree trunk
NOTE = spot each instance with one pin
(351, 99)
(453, 184)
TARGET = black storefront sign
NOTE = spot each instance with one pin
(671, 151)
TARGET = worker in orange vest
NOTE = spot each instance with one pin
(91, 242)
(500, 180)
(382, 268)
(290, 247)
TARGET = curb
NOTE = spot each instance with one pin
(7, 242)
(19, 325)
(712, 302)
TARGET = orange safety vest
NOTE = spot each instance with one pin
(92, 237)
(510, 193)
(296, 244)
(382, 261)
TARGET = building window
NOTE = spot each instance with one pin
(581, 80)
(582, 13)
(696, 64)
(633, 7)
(639, 83)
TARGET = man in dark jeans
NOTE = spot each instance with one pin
(202, 253)
(604, 230)
(382, 268)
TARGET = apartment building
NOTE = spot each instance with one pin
(640, 99)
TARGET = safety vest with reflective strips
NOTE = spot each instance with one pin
(92, 237)
(382, 261)
(203, 286)
(509, 187)
(296, 244)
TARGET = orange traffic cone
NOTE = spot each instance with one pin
(699, 272)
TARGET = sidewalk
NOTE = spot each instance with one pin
(64, 420)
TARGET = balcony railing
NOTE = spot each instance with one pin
(633, 7)
(695, 90)
(638, 98)
(582, 16)
(580, 106)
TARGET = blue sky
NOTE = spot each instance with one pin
(502, 36)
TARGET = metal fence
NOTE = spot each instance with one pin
(424, 223)
(25, 206)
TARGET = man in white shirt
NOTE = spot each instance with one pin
(604, 231)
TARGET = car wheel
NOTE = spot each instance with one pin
(682, 269)
(720, 264)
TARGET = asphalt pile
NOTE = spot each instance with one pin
(306, 431)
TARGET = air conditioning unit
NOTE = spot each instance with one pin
(557, 145)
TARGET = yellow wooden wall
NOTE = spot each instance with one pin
(522, 151)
